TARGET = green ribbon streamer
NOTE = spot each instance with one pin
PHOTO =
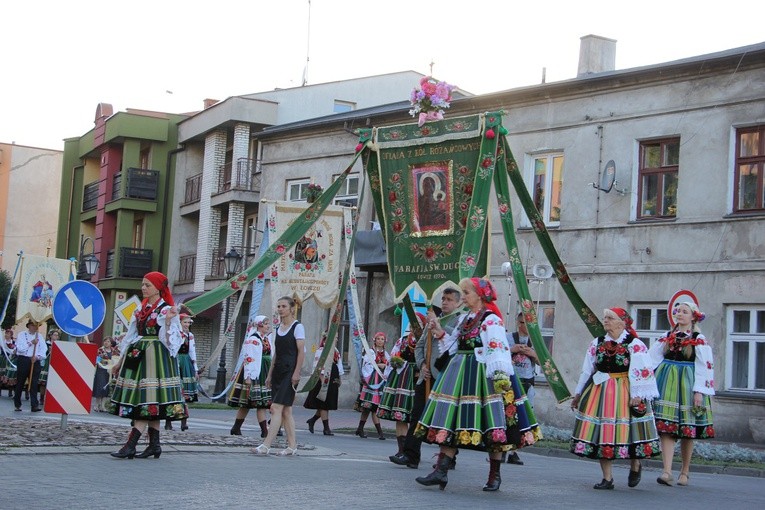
(585, 313)
(554, 379)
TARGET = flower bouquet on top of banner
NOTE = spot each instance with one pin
(430, 100)
(312, 192)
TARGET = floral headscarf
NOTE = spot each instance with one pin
(161, 283)
(622, 314)
(488, 295)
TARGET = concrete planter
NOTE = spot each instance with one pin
(757, 427)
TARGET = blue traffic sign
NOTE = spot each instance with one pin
(79, 308)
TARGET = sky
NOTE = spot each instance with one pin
(63, 58)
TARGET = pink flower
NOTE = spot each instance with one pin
(579, 448)
(624, 452)
(498, 436)
(441, 436)
(490, 134)
(359, 147)
(280, 249)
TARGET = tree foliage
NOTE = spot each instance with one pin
(9, 319)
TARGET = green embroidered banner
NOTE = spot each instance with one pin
(431, 190)
(584, 311)
(286, 241)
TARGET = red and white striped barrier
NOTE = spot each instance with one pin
(70, 378)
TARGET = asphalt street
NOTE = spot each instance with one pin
(341, 471)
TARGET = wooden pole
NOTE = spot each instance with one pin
(428, 350)
(32, 366)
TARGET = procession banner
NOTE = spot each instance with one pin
(431, 190)
(285, 242)
(311, 268)
(40, 279)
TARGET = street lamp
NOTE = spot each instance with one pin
(231, 261)
(88, 265)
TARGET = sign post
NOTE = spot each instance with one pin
(79, 309)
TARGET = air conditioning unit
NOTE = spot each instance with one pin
(542, 271)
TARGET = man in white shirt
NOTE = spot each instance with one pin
(30, 351)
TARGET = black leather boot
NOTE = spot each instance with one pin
(400, 440)
(311, 422)
(168, 425)
(494, 479)
(360, 429)
(236, 430)
(128, 450)
(439, 475)
(154, 448)
(380, 434)
(263, 428)
(327, 430)
(184, 425)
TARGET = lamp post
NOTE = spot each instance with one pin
(231, 261)
(88, 265)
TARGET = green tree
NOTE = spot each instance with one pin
(5, 288)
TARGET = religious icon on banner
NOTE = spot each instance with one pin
(431, 183)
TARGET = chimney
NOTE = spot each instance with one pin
(209, 102)
(596, 55)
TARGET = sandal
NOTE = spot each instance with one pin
(666, 479)
(683, 479)
(288, 452)
(261, 450)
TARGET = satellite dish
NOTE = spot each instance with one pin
(507, 269)
(542, 271)
(608, 178)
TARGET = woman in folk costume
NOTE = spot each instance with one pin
(250, 390)
(477, 402)
(685, 377)
(187, 365)
(148, 385)
(398, 393)
(375, 370)
(323, 396)
(102, 377)
(614, 419)
(7, 363)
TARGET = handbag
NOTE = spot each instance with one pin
(133, 358)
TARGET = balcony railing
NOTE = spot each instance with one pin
(187, 269)
(193, 189)
(134, 262)
(109, 273)
(117, 186)
(90, 196)
(142, 183)
(243, 176)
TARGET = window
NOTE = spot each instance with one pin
(296, 190)
(546, 186)
(750, 164)
(348, 194)
(138, 232)
(343, 106)
(546, 323)
(651, 322)
(745, 348)
(657, 179)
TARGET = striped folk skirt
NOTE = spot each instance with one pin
(255, 395)
(605, 428)
(7, 371)
(44, 367)
(152, 389)
(674, 407)
(188, 378)
(464, 410)
(398, 395)
(371, 393)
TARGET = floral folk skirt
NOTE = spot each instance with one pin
(188, 378)
(673, 409)
(151, 390)
(329, 402)
(464, 410)
(255, 395)
(7, 371)
(605, 428)
(44, 370)
(398, 395)
(371, 393)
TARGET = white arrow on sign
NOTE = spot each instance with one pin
(84, 315)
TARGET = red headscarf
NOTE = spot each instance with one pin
(625, 317)
(488, 294)
(160, 282)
